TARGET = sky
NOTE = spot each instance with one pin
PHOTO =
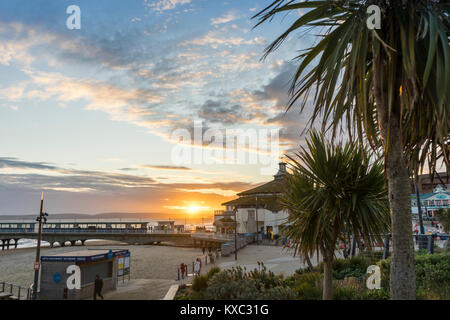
(90, 116)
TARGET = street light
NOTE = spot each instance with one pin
(257, 225)
(37, 265)
(235, 234)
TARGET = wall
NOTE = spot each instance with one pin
(50, 290)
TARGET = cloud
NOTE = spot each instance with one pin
(7, 162)
(214, 39)
(218, 112)
(228, 17)
(164, 167)
(163, 5)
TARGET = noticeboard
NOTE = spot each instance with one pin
(126, 264)
(120, 265)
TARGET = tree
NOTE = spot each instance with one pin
(335, 189)
(390, 87)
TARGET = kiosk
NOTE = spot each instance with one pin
(71, 275)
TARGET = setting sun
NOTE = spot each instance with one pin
(193, 209)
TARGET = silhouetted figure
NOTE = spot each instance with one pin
(98, 286)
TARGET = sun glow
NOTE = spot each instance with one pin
(193, 209)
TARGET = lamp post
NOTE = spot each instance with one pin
(419, 205)
(37, 265)
(235, 234)
(257, 226)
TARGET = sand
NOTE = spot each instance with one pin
(148, 262)
(153, 268)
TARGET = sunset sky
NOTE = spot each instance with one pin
(87, 115)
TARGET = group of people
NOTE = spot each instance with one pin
(197, 268)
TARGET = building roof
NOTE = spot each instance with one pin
(273, 187)
(85, 255)
(269, 202)
(265, 195)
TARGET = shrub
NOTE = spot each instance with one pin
(345, 293)
(223, 286)
(280, 293)
(212, 272)
(308, 285)
(237, 283)
(200, 283)
(432, 275)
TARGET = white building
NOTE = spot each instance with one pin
(430, 202)
(258, 208)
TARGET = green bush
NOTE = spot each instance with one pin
(200, 283)
(381, 294)
(432, 275)
(308, 285)
(279, 293)
(345, 293)
(237, 283)
(212, 272)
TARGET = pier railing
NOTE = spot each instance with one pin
(9, 291)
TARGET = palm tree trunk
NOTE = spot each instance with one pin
(327, 293)
(402, 279)
(308, 262)
(402, 282)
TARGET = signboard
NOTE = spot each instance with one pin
(120, 265)
(37, 265)
(126, 266)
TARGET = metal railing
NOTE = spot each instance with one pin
(15, 291)
(421, 242)
(74, 230)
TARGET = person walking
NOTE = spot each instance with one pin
(98, 286)
(197, 267)
(183, 270)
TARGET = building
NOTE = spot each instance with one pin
(258, 209)
(431, 201)
(57, 273)
(426, 184)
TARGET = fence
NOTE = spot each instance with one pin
(207, 259)
(11, 291)
(421, 242)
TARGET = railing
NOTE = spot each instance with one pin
(15, 292)
(421, 242)
(213, 236)
(74, 230)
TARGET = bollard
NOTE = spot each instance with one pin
(178, 274)
(430, 244)
(386, 247)
(353, 247)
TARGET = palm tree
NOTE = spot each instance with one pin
(389, 86)
(334, 190)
